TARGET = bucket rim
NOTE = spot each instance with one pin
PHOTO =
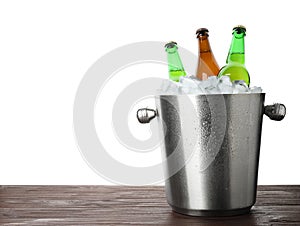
(212, 94)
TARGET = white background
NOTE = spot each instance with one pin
(47, 46)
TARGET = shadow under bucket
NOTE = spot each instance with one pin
(211, 150)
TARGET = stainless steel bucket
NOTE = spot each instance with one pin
(216, 141)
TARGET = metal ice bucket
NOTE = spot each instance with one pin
(217, 142)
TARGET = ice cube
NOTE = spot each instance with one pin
(225, 88)
(189, 82)
(191, 90)
(256, 89)
(213, 90)
(225, 80)
(164, 85)
(213, 80)
(210, 85)
(225, 85)
(240, 86)
(191, 85)
(213, 85)
(168, 87)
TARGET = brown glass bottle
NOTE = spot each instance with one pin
(207, 64)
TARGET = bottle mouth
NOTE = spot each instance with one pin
(170, 45)
(239, 29)
(202, 32)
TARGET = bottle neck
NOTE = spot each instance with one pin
(204, 45)
(236, 52)
(174, 61)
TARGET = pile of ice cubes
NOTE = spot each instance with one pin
(213, 85)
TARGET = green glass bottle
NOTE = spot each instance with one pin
(176, 69)
(235, 67)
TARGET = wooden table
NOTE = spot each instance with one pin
(119, 205)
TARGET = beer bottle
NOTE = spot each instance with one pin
(207, 64)
(176, 69)
(235, 67)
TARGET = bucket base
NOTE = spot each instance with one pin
(212, 213)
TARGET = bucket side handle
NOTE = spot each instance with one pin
(145, 115)
(275, 112)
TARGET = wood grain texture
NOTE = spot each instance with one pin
(122, 205)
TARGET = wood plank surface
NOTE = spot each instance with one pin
(124, 205)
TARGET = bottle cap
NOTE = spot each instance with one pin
(170, 44)
(239, 29)
(202, 31)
